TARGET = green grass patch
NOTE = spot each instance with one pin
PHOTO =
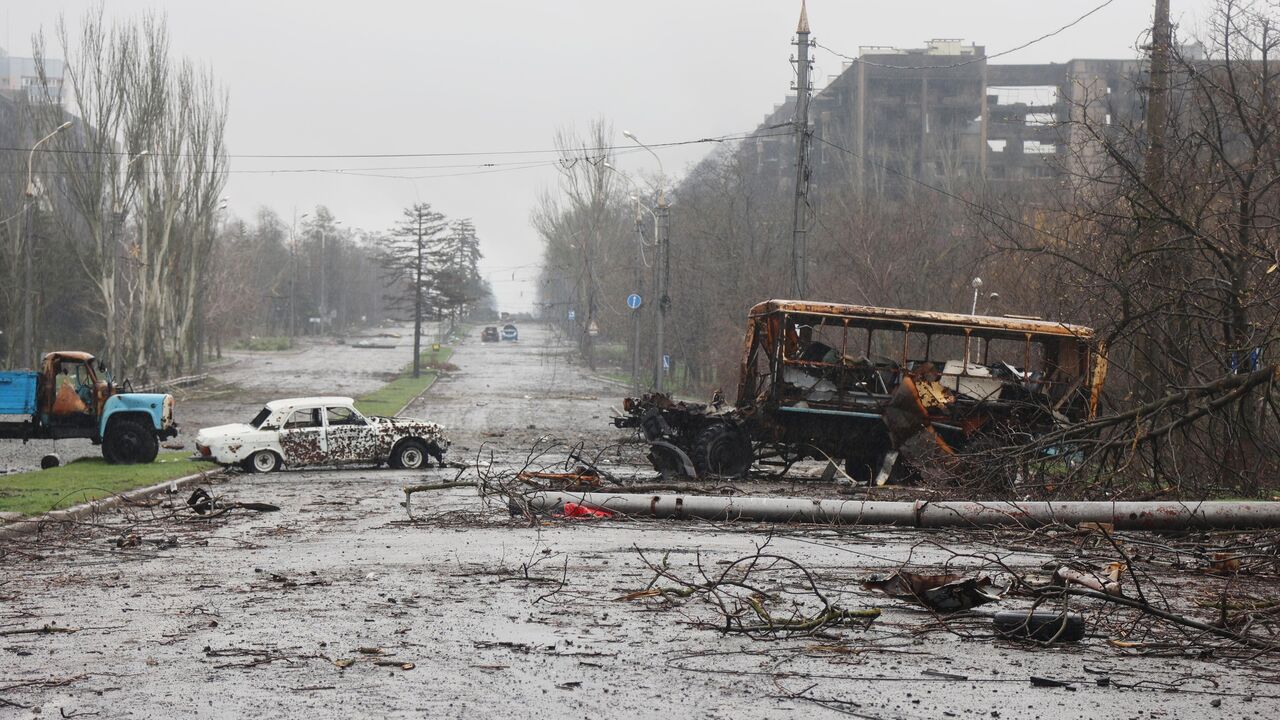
(276, 343)
(388, 399)
(88, 479)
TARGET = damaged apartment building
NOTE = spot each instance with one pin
(943, 115)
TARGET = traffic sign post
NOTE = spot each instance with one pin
(634, 301)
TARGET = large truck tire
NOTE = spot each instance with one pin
(722, 449)
(129, 442)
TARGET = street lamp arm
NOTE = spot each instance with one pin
(31, 157)
(662, 173)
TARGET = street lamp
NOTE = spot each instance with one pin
(662, 235)
(28, 315)
(976, 284)
(662, 173)
(31, 188)
(634, 197)
(324, 312)
(293, 273)
(640, 263)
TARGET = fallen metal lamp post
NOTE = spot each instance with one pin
(922, 513)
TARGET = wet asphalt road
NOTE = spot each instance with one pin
(317, 611)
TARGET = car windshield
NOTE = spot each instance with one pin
(261, 417)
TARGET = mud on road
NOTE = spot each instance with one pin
(341, 604)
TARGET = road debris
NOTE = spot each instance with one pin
(1107, 581)
(211, 506)
(1040, 625)
(574, 510)
(941, 593)
(761, 595)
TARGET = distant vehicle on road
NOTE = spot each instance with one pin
(489, 334)
(509, 332)
(73, 396)
(298, 432)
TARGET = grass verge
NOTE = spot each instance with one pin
(88, 479)
(388, 399)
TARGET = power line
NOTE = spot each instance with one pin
(1023, 46)
(478, 153)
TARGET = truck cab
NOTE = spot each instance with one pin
(73, 396)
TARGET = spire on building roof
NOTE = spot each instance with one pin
(803, 27)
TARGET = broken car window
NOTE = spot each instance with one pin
(343, 416)
(309, 418)
(260, 418)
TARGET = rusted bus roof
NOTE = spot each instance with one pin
(895, 317)
(74, 355)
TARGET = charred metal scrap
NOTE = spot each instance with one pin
(877, 387)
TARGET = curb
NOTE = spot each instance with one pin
(610, 381)
(420, 395)
(19, 528)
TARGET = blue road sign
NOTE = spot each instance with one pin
(572, 314)
(666, 362)
(633, 301)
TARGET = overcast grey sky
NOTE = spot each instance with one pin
(323, 77)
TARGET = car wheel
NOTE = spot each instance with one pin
(263, 461)
(128, 442)
(723, 450)
(409, 455)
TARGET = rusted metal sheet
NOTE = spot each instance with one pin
(898, 316)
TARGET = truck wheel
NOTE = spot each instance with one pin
(723, 450)
(128, 442)
(409, 455)
(263, 461)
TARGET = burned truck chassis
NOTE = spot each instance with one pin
(775, 422)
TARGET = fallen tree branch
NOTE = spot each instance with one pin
(1163, 615)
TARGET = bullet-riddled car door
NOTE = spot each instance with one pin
(350, 437)
(302, 438)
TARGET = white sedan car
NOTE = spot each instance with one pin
(321, 431)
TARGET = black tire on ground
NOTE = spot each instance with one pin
(128, 442)
(408, 455)
(263, 461)
(722, 449)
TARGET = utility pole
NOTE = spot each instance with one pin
(800, 211)
(28, 316)
(662, 228)
(324, 315)
(1149, 347)
(417, 295)
(635, 313)
(28, 229)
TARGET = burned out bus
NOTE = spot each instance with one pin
(872, 386)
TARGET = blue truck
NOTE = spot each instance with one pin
(73, 396)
